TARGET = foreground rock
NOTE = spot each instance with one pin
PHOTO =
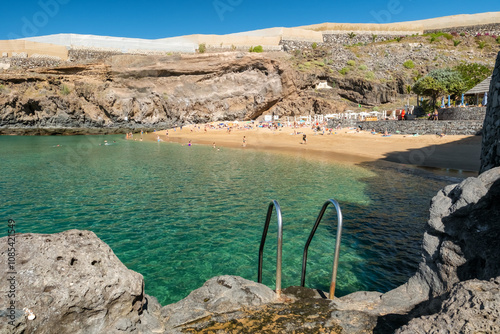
(220, 298)
(73, 283)
(472, 307)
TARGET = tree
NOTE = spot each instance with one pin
(438, 83)
(472, 73)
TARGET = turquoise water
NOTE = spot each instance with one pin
(180, 215)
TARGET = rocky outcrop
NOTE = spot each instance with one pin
(460, 244)
(220, 299)
(490, 155)
(141, 91)
(472, 307)
(73, 283)
(369, 93)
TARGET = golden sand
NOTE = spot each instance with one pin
(345, 145)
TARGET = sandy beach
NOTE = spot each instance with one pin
(345, 145)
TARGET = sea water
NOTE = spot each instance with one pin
(180, 215)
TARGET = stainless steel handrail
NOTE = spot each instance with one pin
(280, 245)
(337, 245)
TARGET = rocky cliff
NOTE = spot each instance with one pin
(490, 155)
(142, 91)
(120, 92)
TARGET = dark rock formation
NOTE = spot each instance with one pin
(73, 283)
(490, 156)
(369, 93)
(460, 243)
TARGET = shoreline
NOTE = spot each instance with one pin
(458, 152)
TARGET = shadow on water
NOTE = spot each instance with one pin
(387, 232)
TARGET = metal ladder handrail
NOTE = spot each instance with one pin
(274, 204)
(337, 245)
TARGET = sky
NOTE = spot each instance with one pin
(160, 19)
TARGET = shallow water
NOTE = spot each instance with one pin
(180, 215)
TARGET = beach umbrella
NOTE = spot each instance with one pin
(462, 100)
(485, 99)
(442, 102)
(449, 100)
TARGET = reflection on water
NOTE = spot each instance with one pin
(180, 215)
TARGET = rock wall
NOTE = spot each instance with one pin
(490, 154)
(467, 113)
(421, 127)
(353, 38)
(492, 29)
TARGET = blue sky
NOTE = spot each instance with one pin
(159, 19)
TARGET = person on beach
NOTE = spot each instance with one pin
(189, 143)
(244, 141)
(304, 139)
(213, 145)
(435, 115)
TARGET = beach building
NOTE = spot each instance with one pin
(480, 91)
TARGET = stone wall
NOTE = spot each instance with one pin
(492, 29)
(85, 54)
(490, 153)
(425, 127)
(346, 39)
(457, 113)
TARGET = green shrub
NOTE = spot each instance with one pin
(456, 42)
(409, 64)
(370, 75)
(462, 34)
(398, 39)
(351, 35)
(351, 62)
(257, 48)
(362, 67)
(436, 35)
(202, 48)
(64, 89)
(481, 44)
(498, 39)
(314, 45)
(344, 71)
(374, 37)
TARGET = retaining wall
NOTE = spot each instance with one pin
(492, 29)
(425, 127)
(466, 114)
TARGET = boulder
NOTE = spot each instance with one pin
(73, 283)
(220, 298)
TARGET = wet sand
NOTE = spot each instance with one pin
(453, 152)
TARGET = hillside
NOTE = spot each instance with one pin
(109, 91)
